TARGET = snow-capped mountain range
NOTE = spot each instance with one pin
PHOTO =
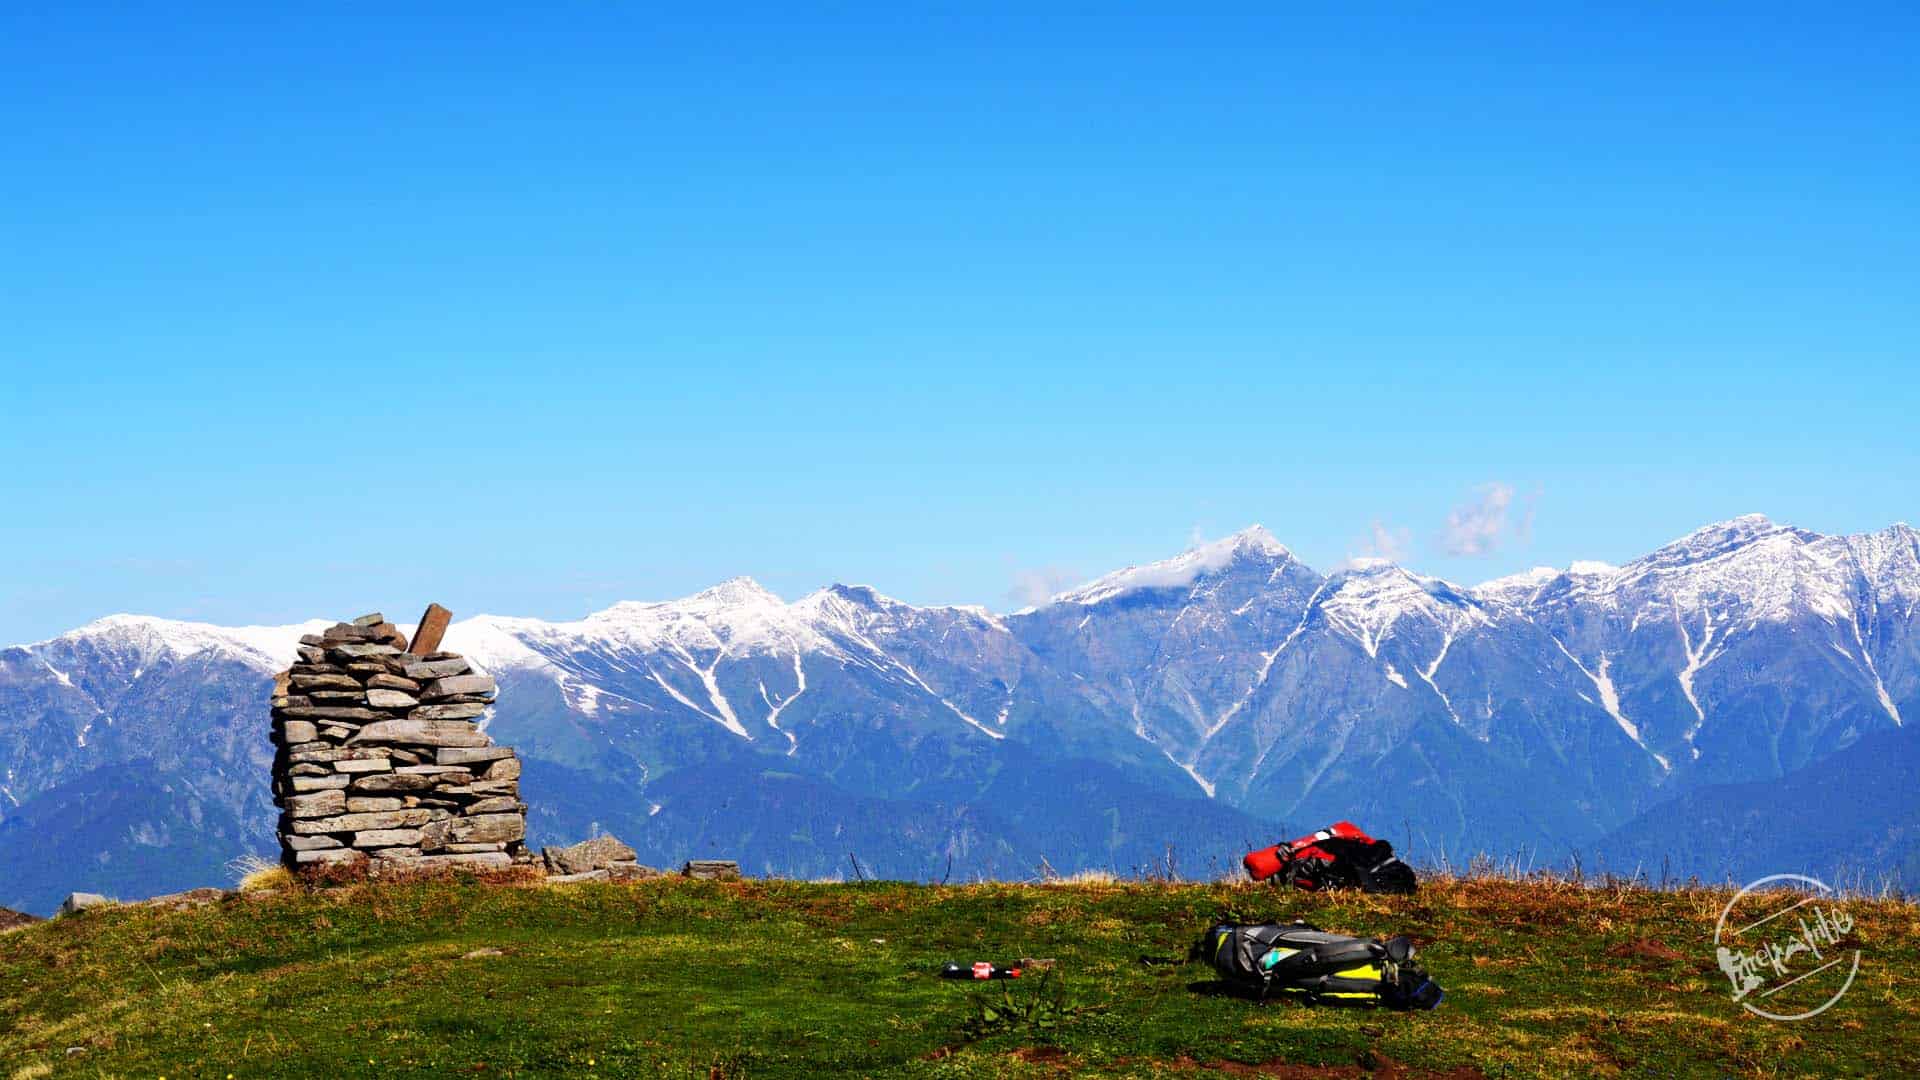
(1226, 689)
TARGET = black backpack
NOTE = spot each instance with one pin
(1319, 966)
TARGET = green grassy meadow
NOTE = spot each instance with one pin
(680, 978)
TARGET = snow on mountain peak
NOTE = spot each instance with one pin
(1523, 588)
(1373, 580)
(736, 614)
(1253, 542)
(146, 638)
(740, 591)
(1256, 538)
(1516, 588)
(1747, 568)
(1368, 563)
(1366, 601)
(1890, 559)
(496, 643)
(1710, 541)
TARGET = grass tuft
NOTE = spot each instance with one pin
(256, 873)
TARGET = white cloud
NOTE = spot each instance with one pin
(1382, 542)
(1035, 586)
(1478, 527)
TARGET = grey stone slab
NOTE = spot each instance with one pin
(391, 699)
(485, 860)
(350, 653)
(417, 730)
(436, 669)
(381, 838)
(298, 731)
(346, 823)
(323, 682)
(461, 755)
(485, 829)
(461, 711)
(305, 784)
(398, 781)
(334, 712)
(338, 754)
(321, 858)
(338, 699)
(319, 804)
(711, 869)
(454, 685)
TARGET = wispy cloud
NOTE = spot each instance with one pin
(1033, 586)
(1480, 526)
(1383, 541)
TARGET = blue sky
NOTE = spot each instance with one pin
(528, 313)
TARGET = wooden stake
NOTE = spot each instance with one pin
(433, 627)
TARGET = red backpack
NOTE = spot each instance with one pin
(1339, 856)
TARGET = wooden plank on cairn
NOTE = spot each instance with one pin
(432, 628)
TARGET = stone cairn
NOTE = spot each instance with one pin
(378, 759)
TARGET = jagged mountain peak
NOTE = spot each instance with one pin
(732, 595)
(1517, 588)
(1722, 538)
(1379, 582)
(845, 608)
(1370, 601)
(845, 605)
(1256, 538)
(1891, 560)
(1528, 586)
(145, 638)
(1748, 568)
(735, 613)
(859, 594)
(1253, 544)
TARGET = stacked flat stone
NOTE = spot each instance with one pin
(379, 760)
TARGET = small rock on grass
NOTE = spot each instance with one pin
(82, 901)
(711, 869)
(595, 854)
